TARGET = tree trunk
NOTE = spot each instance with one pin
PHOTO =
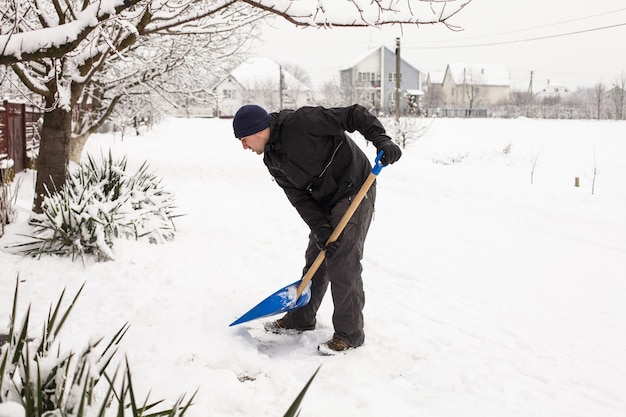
(76, 148)
(53, 153)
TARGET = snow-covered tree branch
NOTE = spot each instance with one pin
(356, 13)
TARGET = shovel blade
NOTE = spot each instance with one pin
(281, 301)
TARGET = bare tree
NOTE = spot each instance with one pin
(473, 89)
(294, 89)
(599, 91)
(595, 102)
(74, 53)
(329, 95)
(154, 74)
(433, 96)
(298, 72)
(584, 103)
(264, 92)
(406, 130)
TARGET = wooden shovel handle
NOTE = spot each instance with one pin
(337, 232)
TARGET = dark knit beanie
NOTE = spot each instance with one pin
(250, 119)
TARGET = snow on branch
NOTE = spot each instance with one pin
(58, 33)
(37, 30)
(355, 13)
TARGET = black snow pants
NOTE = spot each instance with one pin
(343, 272)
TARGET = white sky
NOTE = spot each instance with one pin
(581, 59)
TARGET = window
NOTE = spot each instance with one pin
(229, 93)
(366, 76)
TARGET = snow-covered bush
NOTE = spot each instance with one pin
(406, 130)
(38, 379)
(98, 203)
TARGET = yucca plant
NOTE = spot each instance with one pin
(45, 382)
(99, 203)
(150, 210)
(294, 409)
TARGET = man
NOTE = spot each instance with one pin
(320, 169)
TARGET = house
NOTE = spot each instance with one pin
(553, 90)
(616, 95)
(371, 82)
(474, 86)
(259, 81)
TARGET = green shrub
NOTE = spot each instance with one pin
(36, 376)
(99, 203)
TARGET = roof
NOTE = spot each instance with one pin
(255, 71)
(553, 88)
(484, 74)
(355, 61)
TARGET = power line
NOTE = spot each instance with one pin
(538, 38)
(572, 20)
(540, 26)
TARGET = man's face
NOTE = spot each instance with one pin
(256, 143)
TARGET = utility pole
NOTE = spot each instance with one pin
(398, 76)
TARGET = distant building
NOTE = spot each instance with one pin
(466, 88)
(371, 82)
(259, 81)
(553, 90)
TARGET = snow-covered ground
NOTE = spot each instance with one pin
(486, 295)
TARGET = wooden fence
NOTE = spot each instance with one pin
(19, 134)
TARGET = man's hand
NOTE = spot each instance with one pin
(322, 236)
(391, 151)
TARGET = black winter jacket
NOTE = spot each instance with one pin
(315, 162)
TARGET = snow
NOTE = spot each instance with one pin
(11, 409)
(6, 163)
(56, 36)
(486, 295)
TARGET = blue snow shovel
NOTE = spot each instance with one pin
(298, 294)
